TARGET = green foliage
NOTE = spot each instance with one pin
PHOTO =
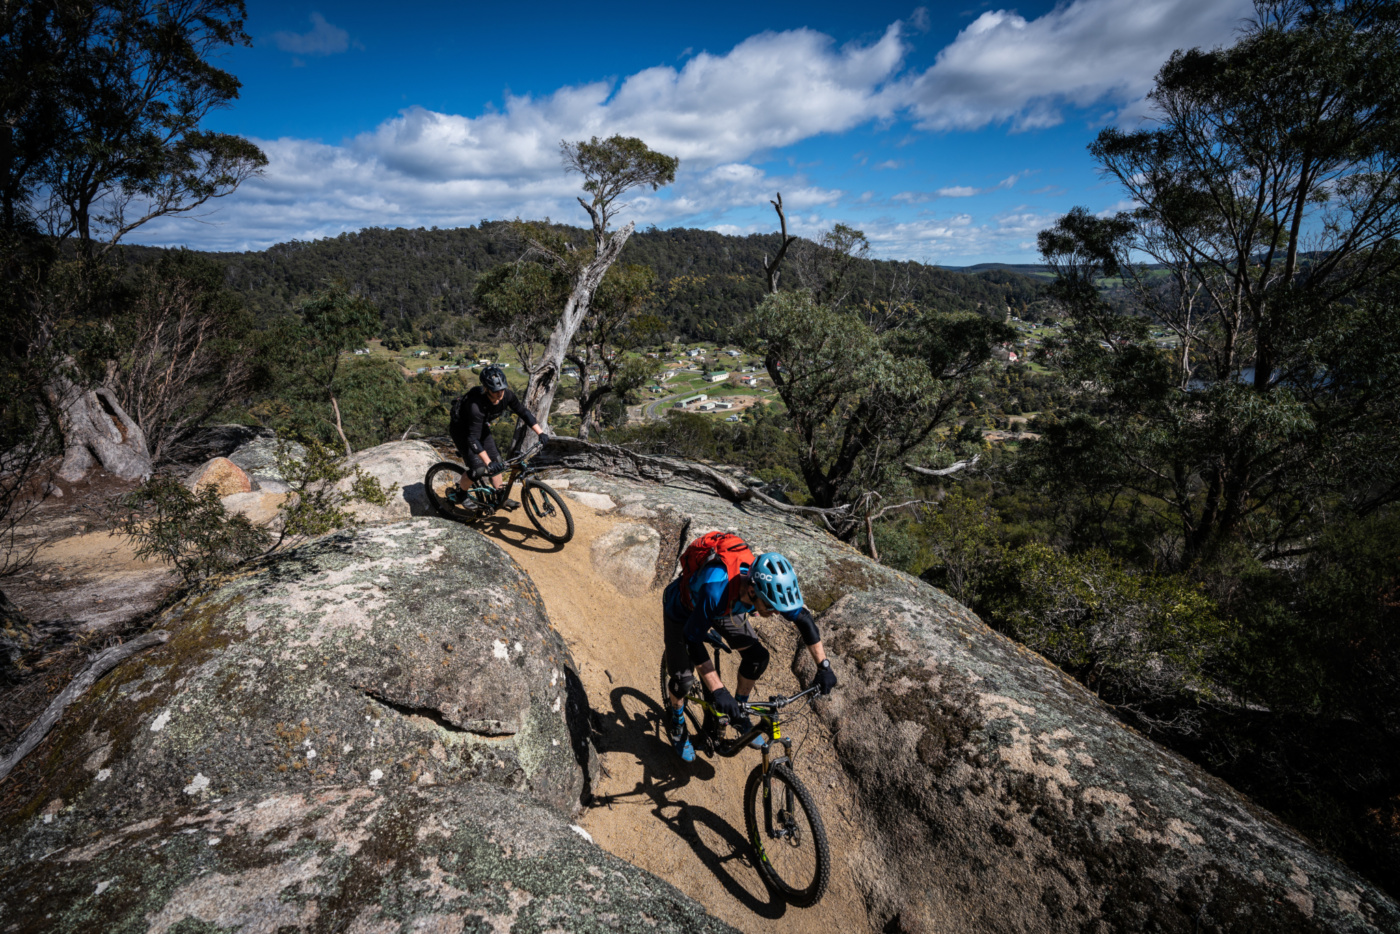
(320, 501)
(1265, 421)
(614, 166)
(1151, 644)
(860, 401)
(103, 102)
(192, 531)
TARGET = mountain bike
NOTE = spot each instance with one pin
(786, 830)
(543, 506)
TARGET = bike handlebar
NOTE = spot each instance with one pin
(778, 702)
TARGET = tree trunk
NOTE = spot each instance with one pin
(97, 432)
(540, 396)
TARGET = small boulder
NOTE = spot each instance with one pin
(401, 463)
(222, 474)
(259, 457)
(626, 556)
(259, 506)
(599, 501)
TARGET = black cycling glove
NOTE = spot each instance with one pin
(726, 704)
(495, 467)
(826, 678)
(544, 438)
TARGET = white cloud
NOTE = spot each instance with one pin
(1003, 67)
(423, 167)
(321, 39)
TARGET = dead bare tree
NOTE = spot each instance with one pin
(785, 241)
(610, 168)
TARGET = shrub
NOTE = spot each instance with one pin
(192, 531)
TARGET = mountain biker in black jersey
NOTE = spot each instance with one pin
(769, 587)
(472, 415)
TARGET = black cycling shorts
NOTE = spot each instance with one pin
(682, 656)
(475, 468)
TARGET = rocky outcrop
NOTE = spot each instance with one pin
(348, 858)
(201, 444)
(626, 555)
(408, 654)
(400, 464)
(996, 794)
(222, 474)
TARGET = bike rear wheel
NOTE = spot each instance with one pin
(787, 834)
(546, 511)
(441, 478)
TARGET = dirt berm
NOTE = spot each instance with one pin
(974, 786)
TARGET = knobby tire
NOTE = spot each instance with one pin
(799, 865)
(544, 507)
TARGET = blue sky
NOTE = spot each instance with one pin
(949, 133)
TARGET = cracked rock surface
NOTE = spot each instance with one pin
(353, 859)
(408, 654)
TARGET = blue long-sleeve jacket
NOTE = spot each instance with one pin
(713, 597)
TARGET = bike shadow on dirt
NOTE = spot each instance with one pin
(631, 727)
(523, 537)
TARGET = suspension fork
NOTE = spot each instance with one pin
(776, 736)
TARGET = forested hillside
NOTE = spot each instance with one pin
(706, 281)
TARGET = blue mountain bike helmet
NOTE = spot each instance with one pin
(776, 582)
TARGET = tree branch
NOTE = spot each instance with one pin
(929, 472)
(103, 663)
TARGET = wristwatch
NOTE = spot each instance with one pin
(825, 665)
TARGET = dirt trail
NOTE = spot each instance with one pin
(682, 823)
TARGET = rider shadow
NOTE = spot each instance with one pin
(635, 732)
(518, 536)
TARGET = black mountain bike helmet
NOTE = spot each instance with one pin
(493, 378)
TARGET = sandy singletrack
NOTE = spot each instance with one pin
(684, 823)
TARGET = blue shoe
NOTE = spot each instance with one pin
(680, 736)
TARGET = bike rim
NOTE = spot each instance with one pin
(546, 514)
(788, 845)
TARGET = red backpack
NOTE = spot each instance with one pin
(724, 548)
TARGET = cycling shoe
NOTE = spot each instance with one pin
(680, 737)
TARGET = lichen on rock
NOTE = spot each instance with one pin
(417, 651)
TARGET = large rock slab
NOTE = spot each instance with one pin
(996, 793)
(407, 654)
(344, 858)
(398, 463)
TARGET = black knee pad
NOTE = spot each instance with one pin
(680, 685)
(755, 662)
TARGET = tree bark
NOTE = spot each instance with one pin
(540, 396)
(97, 432)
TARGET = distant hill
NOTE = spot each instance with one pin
(707, 282)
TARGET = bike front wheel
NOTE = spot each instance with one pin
(546, 511)
(787, 834)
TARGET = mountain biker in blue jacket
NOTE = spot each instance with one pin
(470, 428)
(718, 602)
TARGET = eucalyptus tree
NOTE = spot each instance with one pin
(610, 168)
(101, 106)
(1264, 241)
